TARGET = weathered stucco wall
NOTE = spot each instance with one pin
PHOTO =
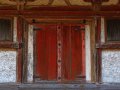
(7, 66)
(111, 66)
(88, 53)
(30, 55)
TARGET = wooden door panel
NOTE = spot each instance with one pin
(76, 51)
(41, 59)
(66, 52)
(72, 63)
(47, 53)
(51, 49)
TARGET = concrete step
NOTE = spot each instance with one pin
(59, 87)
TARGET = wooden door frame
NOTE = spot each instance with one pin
(22, 39)
(54, 21)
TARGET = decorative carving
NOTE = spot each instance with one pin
(66, 1)
(96, 1)
(96, 6)
(23, 0)
(21, 3)
(50, 2)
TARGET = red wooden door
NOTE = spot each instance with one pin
(46, 65)
(72, 65)
(73, 58)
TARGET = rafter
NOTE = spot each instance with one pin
(21, 3)
(67, 2)
(96, 4)
(23, 0)
(50, 2)
(119, 2)
(96, 1)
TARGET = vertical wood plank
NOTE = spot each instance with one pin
(40, 46)
(41, 51)
(76, 52)
(51, 51)
(46, 65)
(59, 53)
(19, 61)
(15, 29)
(98, 36)
(83, 50)
(72, 52)
(93, 50)
(66, 52)
(88, 53)
(102, 30)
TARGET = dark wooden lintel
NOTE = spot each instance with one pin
(10, 45)
(72, 11)
(109, 46)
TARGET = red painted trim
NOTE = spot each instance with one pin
(83, 51)
(98, 28)
(65, 8)
(9, 45)
(19, 61)
(110, 11)
(62, 8)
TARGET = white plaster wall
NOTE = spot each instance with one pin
(30, 55)
(88, 53)
(111, 66)
(7, 66)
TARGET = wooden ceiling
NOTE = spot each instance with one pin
(57, 2)
(82, 4)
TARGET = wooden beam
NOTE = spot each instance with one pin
(96, 0)
(61, 12)
(69, 13)
(50, 2)
(9, 45)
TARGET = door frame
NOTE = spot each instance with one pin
(87, 62)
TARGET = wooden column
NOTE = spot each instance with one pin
(98, 42)
(59, 52)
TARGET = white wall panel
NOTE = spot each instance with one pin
(7, 66)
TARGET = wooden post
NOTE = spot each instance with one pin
(59, 52)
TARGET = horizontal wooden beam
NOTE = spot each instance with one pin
(109, 46)
(10, 45)
(74, 8)
(68, 14)
(8, 12)
(63, 12)
(62, 8)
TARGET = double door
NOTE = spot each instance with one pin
(60, 52)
